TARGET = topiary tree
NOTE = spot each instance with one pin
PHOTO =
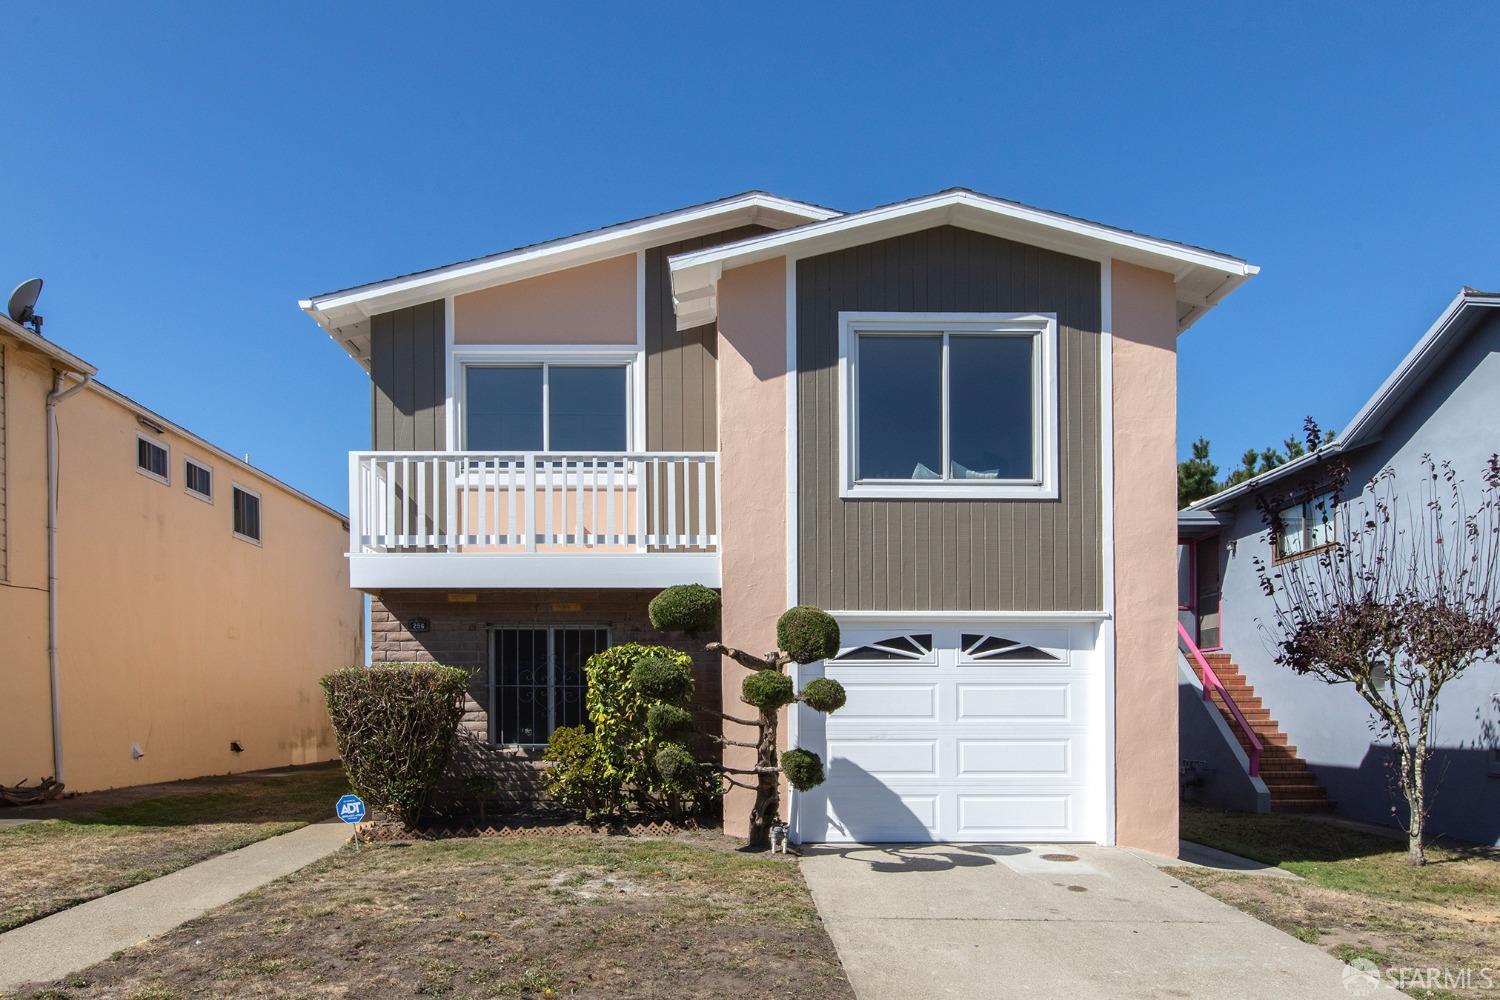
(803, 635)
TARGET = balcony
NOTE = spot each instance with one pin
(532, 519)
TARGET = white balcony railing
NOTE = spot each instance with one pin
(518, 503)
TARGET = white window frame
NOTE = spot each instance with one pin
(187, 487)
(505, 355)
(157, 443)
(1040, 326)
(260, 507)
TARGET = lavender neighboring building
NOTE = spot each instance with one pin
(1443, 400)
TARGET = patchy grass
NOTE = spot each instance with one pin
(57, 863)
(1360, 899)
(531, 917)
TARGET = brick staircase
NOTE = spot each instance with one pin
(1293, 786)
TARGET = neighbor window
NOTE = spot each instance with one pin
(246, 514)
(949, 406)
(198, 479)
(1304, 526)
(546, 407)
(151, 458)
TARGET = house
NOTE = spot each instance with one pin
(1318, 751)
(176, 622)
(948, 421)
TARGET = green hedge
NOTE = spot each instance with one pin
(395, 725)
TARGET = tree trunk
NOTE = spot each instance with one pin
(767, 808)
(1416, 804)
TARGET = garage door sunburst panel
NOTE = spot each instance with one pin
(991, 648)
(915, 647)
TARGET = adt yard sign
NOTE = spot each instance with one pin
(351, 809)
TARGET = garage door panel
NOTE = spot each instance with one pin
(1014, 817)
(882, 816)
(889, 701)
(1007, 701)
(1015, 758)
(883, 757)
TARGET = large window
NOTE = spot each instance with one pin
(1305, 526)
(546, 407)
(949, 405)
(538, 682)
(246, 514)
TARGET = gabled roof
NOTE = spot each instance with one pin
(345, 313)
(1466, 310)
(36, 342)
(1203, 277)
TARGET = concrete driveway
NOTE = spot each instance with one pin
(1008, 921)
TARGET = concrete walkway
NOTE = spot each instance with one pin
(1007, 921)
(90, 932)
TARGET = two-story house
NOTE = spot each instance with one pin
(949, 421)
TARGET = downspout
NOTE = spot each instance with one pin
(57, 395)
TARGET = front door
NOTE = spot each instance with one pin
(1207, 587)
(537, 681)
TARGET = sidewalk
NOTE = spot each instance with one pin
(90, 932)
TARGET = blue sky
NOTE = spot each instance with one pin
(182, 174)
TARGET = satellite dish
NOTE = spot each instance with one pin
(22, 304)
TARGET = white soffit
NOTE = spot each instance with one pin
(345, 314)
(1202, 277)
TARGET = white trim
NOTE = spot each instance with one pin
(260, 514)
(187, 487)
(1203, 277)
(1106, 641)
(548, 355)
(350, 306)
(1042, 327)
(792, 440)
(854, 619)
(640, 347)
(375, 571)
(451, 430)
(165, 446)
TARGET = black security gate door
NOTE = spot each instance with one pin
(539, 681)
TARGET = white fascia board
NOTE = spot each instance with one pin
(696, 271)
(337, 308)
(42, 345)
(482, 571)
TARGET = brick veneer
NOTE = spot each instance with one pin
(458, 635)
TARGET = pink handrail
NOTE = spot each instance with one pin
(1211, 683)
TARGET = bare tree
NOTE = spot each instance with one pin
(1400, 599)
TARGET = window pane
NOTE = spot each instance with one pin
(990, 433)
(503, 408)
(1289, 525)
(588, 407)
(151, 457)
(899, 416)
(246, 514)
(1319, 513)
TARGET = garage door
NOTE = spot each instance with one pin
(967, 734)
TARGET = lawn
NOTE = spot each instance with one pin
(57, 863)
(530, 917)
(1360, 899)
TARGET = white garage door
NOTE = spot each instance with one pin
(966, 733)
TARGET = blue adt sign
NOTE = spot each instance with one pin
(351, 809)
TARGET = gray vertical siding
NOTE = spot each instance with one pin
(408, 412)
(681, 365)
(1022, 555)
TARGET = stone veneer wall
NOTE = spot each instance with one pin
(459, 636)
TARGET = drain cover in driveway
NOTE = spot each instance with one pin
(1059, 857)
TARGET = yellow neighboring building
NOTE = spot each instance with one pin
(197, 599)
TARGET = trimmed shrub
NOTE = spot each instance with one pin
(677, 766)
(803, 769)
(396, 726)
(663, 678)
(807, 634)
(824, 694)
(767, 690)
(663, 720)
(577, 778)
(689, 607)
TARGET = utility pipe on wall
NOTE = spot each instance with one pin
(57, 395)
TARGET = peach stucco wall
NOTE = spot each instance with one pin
(753, 446)
(175, 635)
(590, 304)
(1145, 457)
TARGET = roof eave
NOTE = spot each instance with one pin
(36, 342)
(1203, 277)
